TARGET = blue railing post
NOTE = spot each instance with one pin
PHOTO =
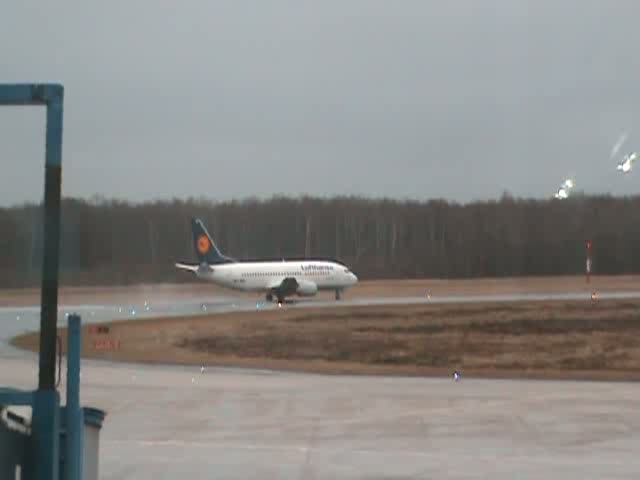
(74, 427)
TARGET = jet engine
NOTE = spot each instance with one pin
(306, 288)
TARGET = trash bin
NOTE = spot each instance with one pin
(93, 419)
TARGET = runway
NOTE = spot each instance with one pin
(17, 320)
(167, 421)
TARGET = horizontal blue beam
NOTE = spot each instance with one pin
(31, 93)
(10, 396)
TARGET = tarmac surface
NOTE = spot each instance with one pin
(167, 421)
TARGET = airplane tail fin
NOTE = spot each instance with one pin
(203, 244)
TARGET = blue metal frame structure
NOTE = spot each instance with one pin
(45, 400)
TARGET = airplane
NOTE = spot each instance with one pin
(564, 190)
(627, 161)
(276, 279)
(562, 193)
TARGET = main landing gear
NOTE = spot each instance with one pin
(338, 294)
(269, 297)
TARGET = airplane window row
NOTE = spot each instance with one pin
(267, 274)
(271, 274)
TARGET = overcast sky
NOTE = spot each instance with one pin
(410, 99)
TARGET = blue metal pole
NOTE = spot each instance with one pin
(52, 188)
(73, 451)
(73, 455)
(47, 431)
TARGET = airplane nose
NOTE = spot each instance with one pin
(354, 279)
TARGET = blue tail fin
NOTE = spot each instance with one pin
(206, 250)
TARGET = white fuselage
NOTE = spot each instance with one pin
(263, 276)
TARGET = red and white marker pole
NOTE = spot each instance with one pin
(588, 269)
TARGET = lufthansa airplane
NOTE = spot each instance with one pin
(277, 279)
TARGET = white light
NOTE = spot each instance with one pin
(563, 191)
(624, 167)
(627, 163)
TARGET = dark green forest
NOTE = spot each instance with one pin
(114, 242)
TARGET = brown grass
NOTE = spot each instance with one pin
(570, 339)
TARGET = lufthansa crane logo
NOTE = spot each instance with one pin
(203, 244)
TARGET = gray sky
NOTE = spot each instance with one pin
(419, 99)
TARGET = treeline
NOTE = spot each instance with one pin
(114, 242)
